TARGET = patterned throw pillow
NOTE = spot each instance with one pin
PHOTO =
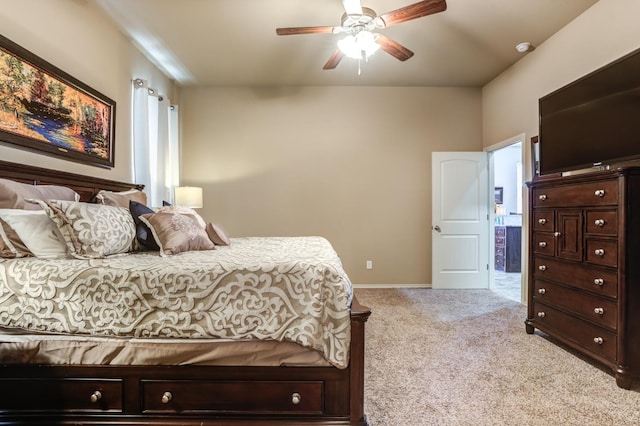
(92, 230)
(176, 233)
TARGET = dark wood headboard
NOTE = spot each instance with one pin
(86, 186)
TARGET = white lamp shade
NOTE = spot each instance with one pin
(189, 196)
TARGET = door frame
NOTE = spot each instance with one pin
(526, 175)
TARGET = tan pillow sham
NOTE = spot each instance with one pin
(121, 199)
(218, 235)
(13, 194)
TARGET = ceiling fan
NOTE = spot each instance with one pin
(359, 24)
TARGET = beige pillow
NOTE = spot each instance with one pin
(11, 245)
(121, 199)
(36, 231)
(218, 235)
(92, 230)
(176, 233)
(13, 194)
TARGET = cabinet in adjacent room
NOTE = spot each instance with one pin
(507, 248)
(584, 272)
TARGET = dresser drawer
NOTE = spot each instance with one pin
(595, 280)
(602, 252)
(83, 395)
(602, 222)
(598, 193)
(594, 339)
(544, 243)
(543, 220)
(501, 231)
(592, 308)
(268, 397)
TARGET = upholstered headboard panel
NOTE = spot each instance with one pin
(86, 186)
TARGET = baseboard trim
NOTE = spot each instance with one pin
(391, 285)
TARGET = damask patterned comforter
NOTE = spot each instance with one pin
(286, 289)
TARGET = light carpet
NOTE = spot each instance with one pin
(462, 357)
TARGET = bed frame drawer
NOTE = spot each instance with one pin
(70, 394)
(267, 397)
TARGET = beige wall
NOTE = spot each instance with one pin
(75, 37)
(352, 164)
(603, 33)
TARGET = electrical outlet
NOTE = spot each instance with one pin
(369, 264)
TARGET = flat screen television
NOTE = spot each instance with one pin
(594, 121)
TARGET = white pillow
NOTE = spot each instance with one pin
(36, 231)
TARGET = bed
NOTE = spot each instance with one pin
(140, 362)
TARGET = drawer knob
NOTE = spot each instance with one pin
(599, 222)
(599, 193)
(542, 197)
(542, 244)
(542, 267)
(541, 314)
(96, 396)
(542, 221)
(166, 397)
(599, 252)
(598, 281)
(557, 234)
(296, 398)
(542, 291)
(599, 311)
(598, 340)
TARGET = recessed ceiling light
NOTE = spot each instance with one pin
(523, 47)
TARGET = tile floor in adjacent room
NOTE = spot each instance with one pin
(507, 284)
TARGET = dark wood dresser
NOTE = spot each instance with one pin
(584, 266)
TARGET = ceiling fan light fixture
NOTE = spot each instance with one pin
(359, 46)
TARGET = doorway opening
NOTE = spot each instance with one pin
(506, 171)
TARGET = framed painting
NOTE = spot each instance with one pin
(43, 108)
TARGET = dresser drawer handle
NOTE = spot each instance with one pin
(542, 244)
(599, 222)
(166, 397)
(296, 398)
(96, 396)
(542, 267)
(542, 291)
(598, 340)
(542, 221)
(542, 197)
(541, 314)
(557, 234)
(598, 281)
(599, 193)
(599, 252)
(599, 311)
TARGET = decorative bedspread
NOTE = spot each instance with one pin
(286, 289)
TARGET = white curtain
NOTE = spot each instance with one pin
(155, 143)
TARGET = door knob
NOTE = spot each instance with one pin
(437, 228)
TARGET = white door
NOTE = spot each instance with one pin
(460, 230)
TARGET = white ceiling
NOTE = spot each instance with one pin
(233, 42)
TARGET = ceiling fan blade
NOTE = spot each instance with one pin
(417, 10)
(352, 7)
(393, 48)
(334, 60)
(304, 30)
